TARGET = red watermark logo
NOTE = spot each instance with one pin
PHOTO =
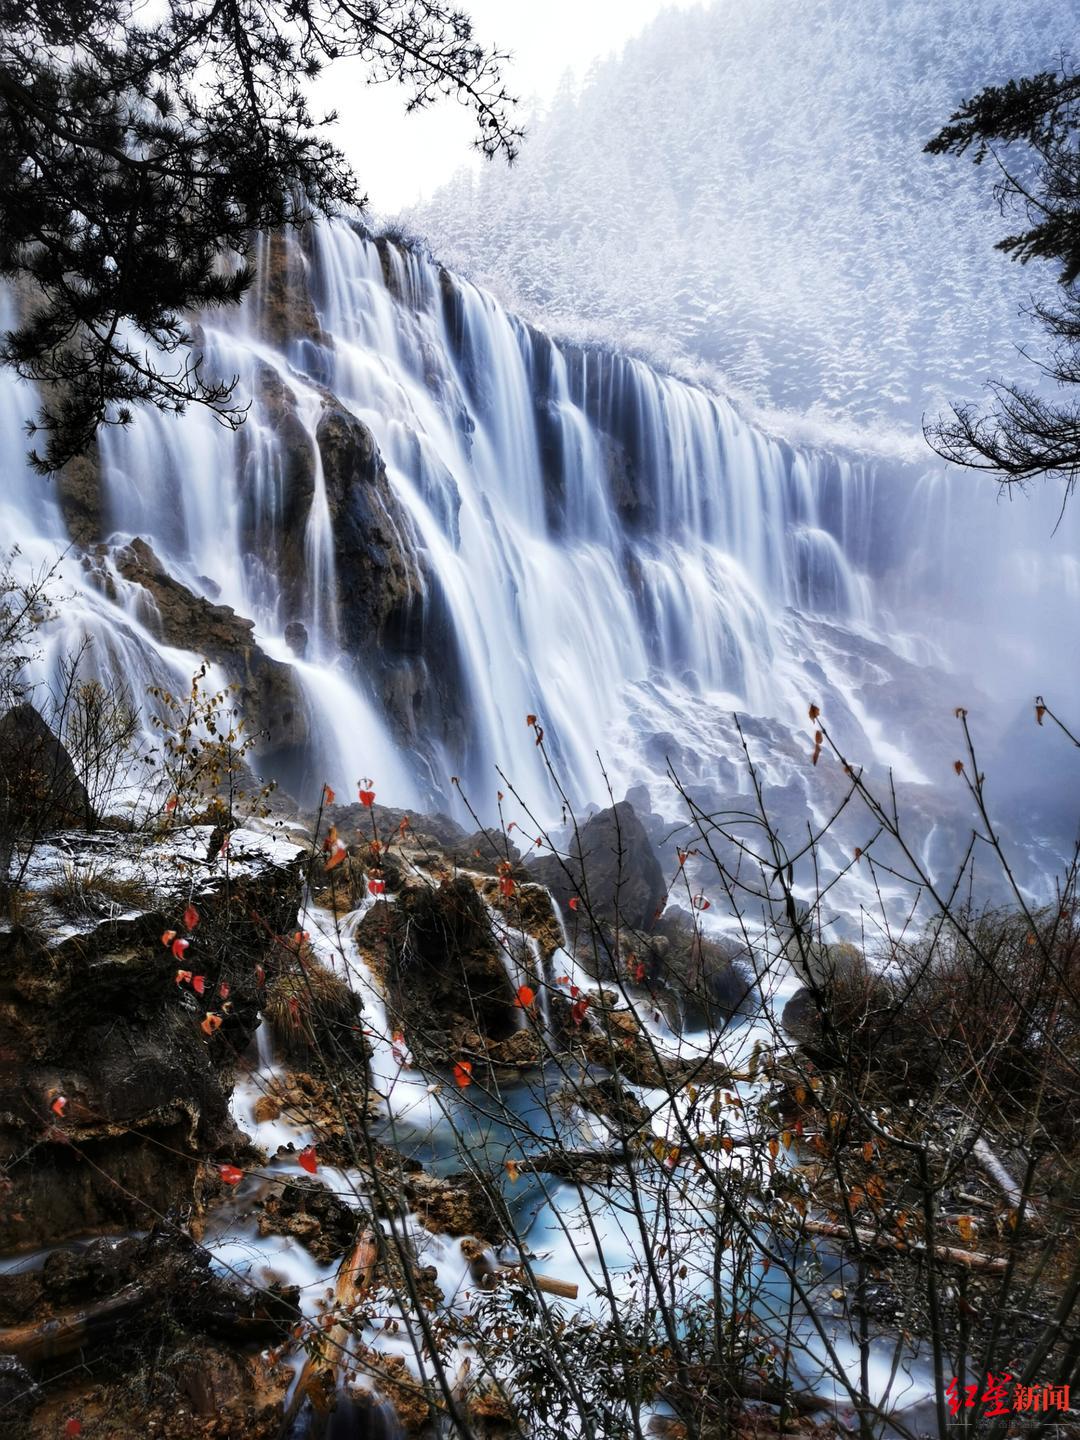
(1000, 1397)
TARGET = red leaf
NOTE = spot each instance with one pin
(814, 712)
(170, 805)
(223, 990)
(367, 797)
(463, 1074)
(700, 903)
(191, 918)
(377, 887)
(168, 936)
(211, 1023)
(525, 996)
(179, 946)
(308, 1160)
(530, 719)
(183, 976)
(578, 1009)
(198, 984)
(260, 975)
(573, 902)
(59, 1105)
(73, 1427)
(230, 1174)
(506, 885)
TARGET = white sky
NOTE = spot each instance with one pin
(401, 158)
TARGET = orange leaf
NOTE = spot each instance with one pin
(59, 1105)
(308, 1160)
(506, 885)
(337, 855)
(525, 996)
(774, 1147)
(170, 804)
(1040, 711)
(463, 1074)
(530, 719)
(958, 766)
(966, 1227)
(230, 1174)
(512, 1171)
(328, 794)
(211, 1023)
(727, 1144)
(168, 937)
(814, 712)
(183, 976)
(868, 1151)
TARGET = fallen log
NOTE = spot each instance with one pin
(876, 1240)
(72, 1330)
(318, 1380)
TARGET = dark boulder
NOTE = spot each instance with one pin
(612, 863)
(710, 977)
(39, 789)
(443, 972)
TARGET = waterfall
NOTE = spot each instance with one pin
(468, 523)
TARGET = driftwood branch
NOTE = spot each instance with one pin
(877, 1240)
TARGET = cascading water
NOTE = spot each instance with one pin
(580, 538)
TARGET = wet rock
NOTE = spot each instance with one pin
(286, 309)
(110, 1090)
(19, 1395)
(613, 863)
(271, 699)
(316, 1017)
(39, 789)
(443, 971)
(308, 1210)
(296, 637)
(710, 978)
(453, 1205)
(392, 612)
(79, 494)
(613, 1103)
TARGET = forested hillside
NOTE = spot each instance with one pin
(745, 187)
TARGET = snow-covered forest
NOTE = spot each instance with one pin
(744, 188)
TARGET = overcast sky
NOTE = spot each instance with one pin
(400, 158)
